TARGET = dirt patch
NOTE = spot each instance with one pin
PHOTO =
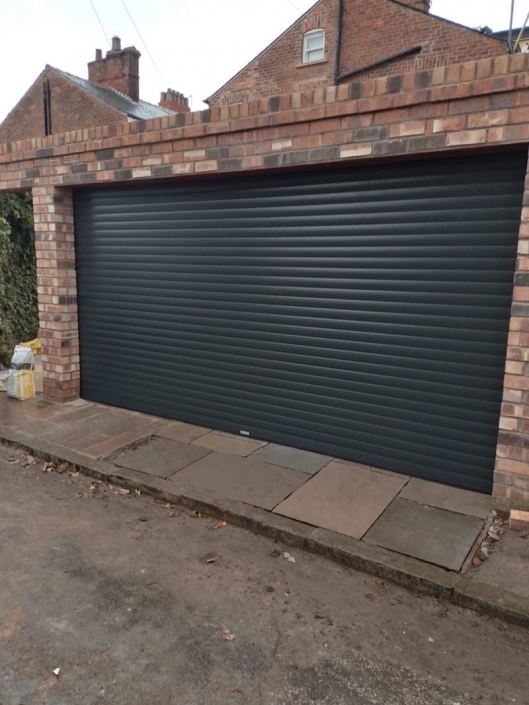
(507, 564)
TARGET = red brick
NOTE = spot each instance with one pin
(518, 520)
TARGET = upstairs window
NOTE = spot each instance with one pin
(314, 46)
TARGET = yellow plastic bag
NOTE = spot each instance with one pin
(20, 380)
(24, 384)
(34, 345)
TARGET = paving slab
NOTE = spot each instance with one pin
(244, 479)
(13, 410)
(346, 498)
(228, 443)
(103, 448)
(160, 457)
(33, 427)
(78, 402)
(293, 458)
(39, 409)
(86, 433)
(180, 431)
(444, 497)
(430, 534)
(69, 415)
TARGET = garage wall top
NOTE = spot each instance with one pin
(464, 105)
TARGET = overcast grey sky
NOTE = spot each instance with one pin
(196, 44)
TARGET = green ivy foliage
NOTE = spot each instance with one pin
(19, 316)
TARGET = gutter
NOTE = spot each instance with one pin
(338, 42)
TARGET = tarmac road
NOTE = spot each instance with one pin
(117, 592)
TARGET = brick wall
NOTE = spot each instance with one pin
(71, 109)
(57, 291)
(512, 463)
(475, 105)
(372, 31)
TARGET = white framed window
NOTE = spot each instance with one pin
(314, 46)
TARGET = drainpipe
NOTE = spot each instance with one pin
(338, 42)
(509, 38)
(46, 99)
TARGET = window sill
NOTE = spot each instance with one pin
(312, 63)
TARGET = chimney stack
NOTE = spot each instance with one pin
(172, 100)
(118, 70)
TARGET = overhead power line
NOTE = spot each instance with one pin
(295, 7)
(100, 23)
(144, 42)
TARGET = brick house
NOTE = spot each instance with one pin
(58, 101)
(345, 41)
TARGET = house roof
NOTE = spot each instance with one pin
(140, 110)
(504, 33)
(495, 35)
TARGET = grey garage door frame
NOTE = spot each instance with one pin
(359, 312)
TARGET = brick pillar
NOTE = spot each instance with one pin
(57, 292)
(511, 478)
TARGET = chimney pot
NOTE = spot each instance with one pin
(116, 44)
(99, 54)
(174, 100)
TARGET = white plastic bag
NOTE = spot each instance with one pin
(20, 382)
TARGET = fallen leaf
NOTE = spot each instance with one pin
(430, 639)
(137, 493)
(196, 515)
(13, 460)
(122, 490)
(220, 525)
(228, 636)
(211, 560)
(289, 558)
(169, 506)
(56, 671)
(74, 474)
(236, 690)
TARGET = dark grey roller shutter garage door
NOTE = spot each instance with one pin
(361, 313)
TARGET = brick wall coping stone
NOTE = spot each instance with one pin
(398, 126)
